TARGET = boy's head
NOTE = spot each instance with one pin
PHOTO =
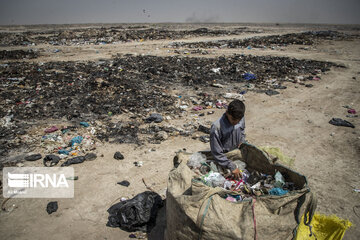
(235, 111)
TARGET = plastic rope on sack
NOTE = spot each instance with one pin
(323, 228)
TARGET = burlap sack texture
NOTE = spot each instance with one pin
(196, 211)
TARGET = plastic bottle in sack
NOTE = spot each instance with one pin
(196, 159)
(279, 180)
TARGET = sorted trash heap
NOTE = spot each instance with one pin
(252, 183)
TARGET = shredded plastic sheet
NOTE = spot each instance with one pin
(323, 228)
(276, 152)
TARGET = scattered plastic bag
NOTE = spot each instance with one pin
(341, 122)
(136, 214)
(74, 160)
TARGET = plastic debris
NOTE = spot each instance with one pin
(53, 159)
(351, 111)
(124, 183)
(51, 129)
(90, 156)
(248, 76)
(341, 122)
(76, 140)
(278, 191)
(74, 160)
(84, 124)
(51, 207)
(154, 117)
(33, 157)
(136, 214)
(118, 156)
(196, 160)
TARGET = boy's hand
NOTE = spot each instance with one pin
(237, 174)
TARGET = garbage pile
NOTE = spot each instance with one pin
(18, 54)
(105, 35)
(135, 85)
(305, 38)
(252, 183)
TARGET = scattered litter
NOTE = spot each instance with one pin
(76, 140)
(154, 117)
(204, 129)
(351, 111)
(136, 214)
(53, 159)
(51, 129)
(74, 160)
(84, 124)
(270, 92)
(138, 164)
(90, 156)
(248, 76)
(33, 157)
(52, 207)
(205, 139)
(341, 122)
(124, 183)
(118, 156)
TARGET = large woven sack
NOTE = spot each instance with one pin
(197, 211)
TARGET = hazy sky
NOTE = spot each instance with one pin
(123, 11)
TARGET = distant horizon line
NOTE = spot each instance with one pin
(153, 23)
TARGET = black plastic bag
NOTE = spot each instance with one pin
(136, 214)
(52, 207)
(74, 160)
(53, 159)
(341, 122)
(33, 157)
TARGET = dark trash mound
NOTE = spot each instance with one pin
(18, 54)
(105, 35)
(130, 84)
(305, 38)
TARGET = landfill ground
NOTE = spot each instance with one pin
(114, 76)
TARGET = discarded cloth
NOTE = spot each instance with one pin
(136, 214)
(51, 129)
(63, 151)
(75, 140)
(278, 191)
(341, 122)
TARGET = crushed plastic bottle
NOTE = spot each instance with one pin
(279, 180)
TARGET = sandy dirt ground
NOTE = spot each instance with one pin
(296, 121)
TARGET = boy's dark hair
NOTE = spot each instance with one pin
(236, 109)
